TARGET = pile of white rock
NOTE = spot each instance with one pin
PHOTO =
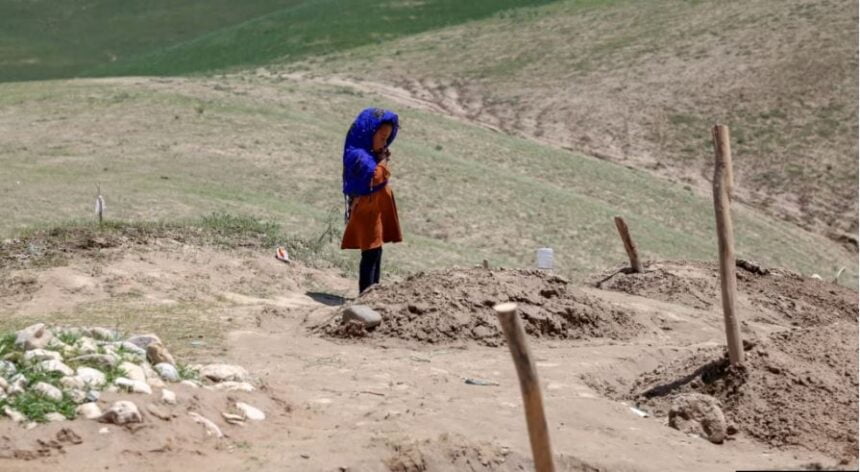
(76, 364)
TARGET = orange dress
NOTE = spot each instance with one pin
(373, 218)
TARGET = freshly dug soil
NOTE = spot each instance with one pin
(796, 388)
(776, 295)
(457, 305)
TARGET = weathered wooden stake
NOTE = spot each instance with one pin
(529, 386)
(723, 183)
(629, 246)
(100, 204)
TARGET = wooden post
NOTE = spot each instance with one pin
(723, 182)
(632, 253)
(529, 386)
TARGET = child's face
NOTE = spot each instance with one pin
(380, 138)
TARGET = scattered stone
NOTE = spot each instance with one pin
(133, 371)
(121, 412)
(250, 412)
(77, 396)
(14, 415)
(156, 354)
(112, 389)
(189, 383)
(144, 340)
(223, 372)
(133, 348)
(54, 417)
(89, 411)
(72, 382)
(234, 387)
(7, 368)
(157, 412)
(363, 314)
(233, 419)
(54, 365)
(17, 386)
(135, 386)
(87, 346)
(732, 429)
(695, 413)
(155, 382)
(167, 372)
(36, 336)
(168, 397)
(103, 334)
(211, 428)
(93, 396)
(39, 355)
(104, 430)
(3, 384)
(105, 361)
(48, 391)
(91, 377)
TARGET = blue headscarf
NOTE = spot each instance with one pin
(359, 163)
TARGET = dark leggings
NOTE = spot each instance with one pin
(369, 268)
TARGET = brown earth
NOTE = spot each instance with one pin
(796, 388)
(397, 404)
(454, 305)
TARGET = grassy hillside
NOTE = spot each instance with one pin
(49, 39)
(640, 83)
(270, 147)
(43, 39)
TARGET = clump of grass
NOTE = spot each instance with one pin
(7, 344)
(69, 337)
(35, 406)
(187, 373)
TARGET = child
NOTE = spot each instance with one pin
(371, 214)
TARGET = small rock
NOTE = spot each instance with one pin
(104, 361)
(14, 415)
(250, 412)
(233, 419)
(135, 386)
(481, 332)
(155, 382)
(143, 340)
(121, 412)
(133, 371)
(3, 384)
(103, 334)
(54, 417)
(695, 413)
(87, 346)
(93, 395)
(189, 383)
(7, 368)
(732, 429)
(48, 391)
(168, 397)
(223, 372)
(91, 377)
(157, 412)
(211, 428)
(363, 314)
(39, 355)
(54, 365)
(104, 430)
(35, 336)
(133, 349)
(234, 387)
(17, 386)
(167, 372)
(70, 382)
(156, 354)
(67, 435)
(89, 411)
(78, 396)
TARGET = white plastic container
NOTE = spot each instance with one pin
(544, 258)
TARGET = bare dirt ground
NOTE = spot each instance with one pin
(384, 402)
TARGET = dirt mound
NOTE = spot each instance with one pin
(774, 295)
(456, 305)
(797, 388)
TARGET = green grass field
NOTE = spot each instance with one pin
(50, 39)
(167, 149)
